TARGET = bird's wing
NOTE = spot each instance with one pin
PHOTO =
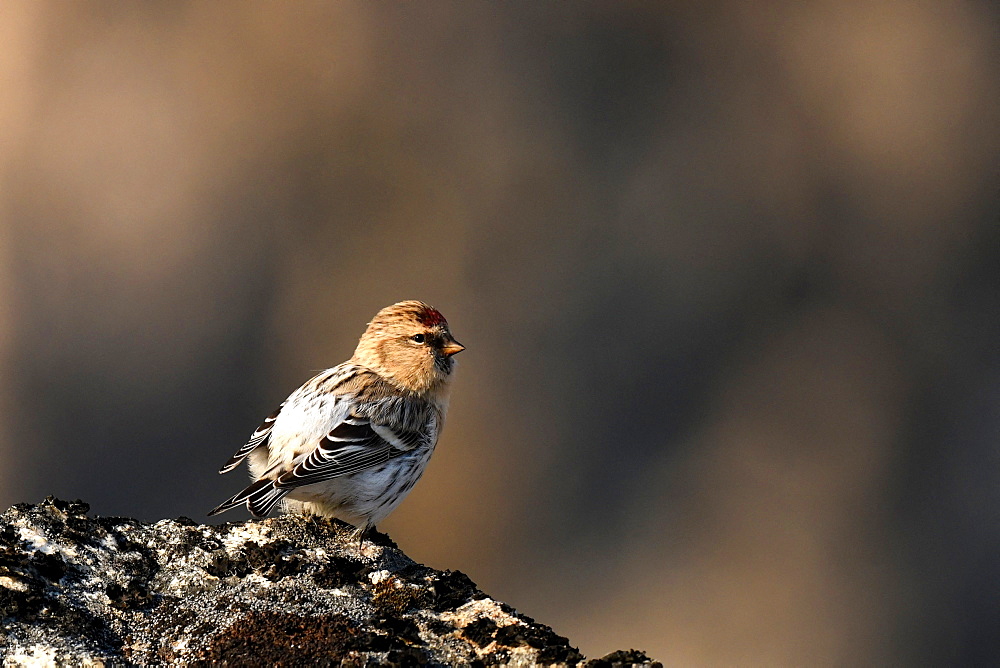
(358, 443)
(328, 378)
(256, 439)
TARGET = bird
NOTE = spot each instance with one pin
(352, 441)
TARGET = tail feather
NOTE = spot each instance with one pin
(263, 501)
(260, 498)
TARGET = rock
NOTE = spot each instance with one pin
(291, 591)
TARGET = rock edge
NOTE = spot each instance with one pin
(291, 591)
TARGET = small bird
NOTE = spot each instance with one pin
(353, 440)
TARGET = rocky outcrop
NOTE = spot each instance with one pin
(290, 591)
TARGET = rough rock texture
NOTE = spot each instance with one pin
(290, 591)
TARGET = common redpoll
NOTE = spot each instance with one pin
(353, 440)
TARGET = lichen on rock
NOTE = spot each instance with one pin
(295, 590)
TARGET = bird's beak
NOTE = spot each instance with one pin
(453, 347)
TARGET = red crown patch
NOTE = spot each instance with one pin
(431, 317)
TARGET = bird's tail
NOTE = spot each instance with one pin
(260, 498)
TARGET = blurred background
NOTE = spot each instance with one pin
(728, 274)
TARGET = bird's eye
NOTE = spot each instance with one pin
(417, 338)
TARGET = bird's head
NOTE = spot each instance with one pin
(410, 344)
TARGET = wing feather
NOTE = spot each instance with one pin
(353, 445)
(256, 440)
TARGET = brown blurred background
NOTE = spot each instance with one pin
(728, 275)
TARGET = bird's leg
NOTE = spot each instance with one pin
(359, 534)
